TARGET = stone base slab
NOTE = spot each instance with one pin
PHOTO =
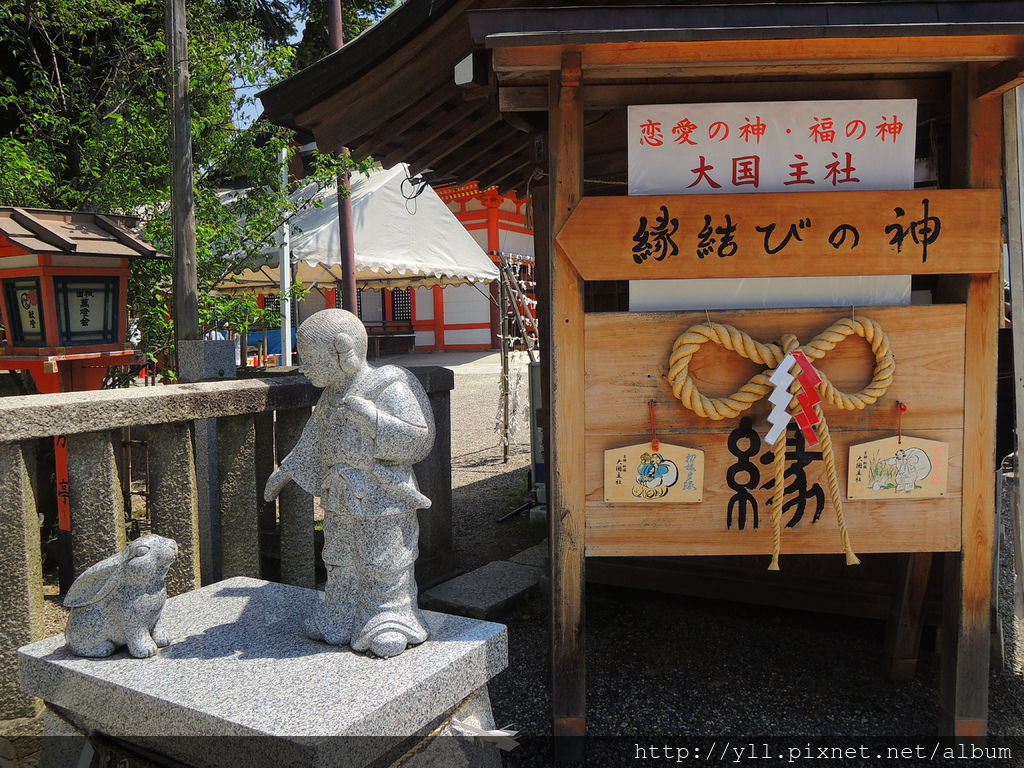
(241, 685)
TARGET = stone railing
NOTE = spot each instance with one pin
(254, 423)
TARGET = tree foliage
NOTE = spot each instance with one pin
(84, 126)
(355, 18)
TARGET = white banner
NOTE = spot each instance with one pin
(777, 146)
(27, 299)
(784, 146)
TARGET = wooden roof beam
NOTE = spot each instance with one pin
(884, 51)
(42, 231)
(421, 66)
(126, 238)
(465, 134)
(484, 153)
(504, 156)
(999, 79)
(442, 123)
(425, 106)
(505, 136)
(525, 98)
(512, 172)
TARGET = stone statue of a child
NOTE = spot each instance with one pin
(356, 452)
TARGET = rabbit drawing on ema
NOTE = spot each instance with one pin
(118, 601)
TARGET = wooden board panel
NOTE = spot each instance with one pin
(924, 525)
(786, 234)
(627, 365)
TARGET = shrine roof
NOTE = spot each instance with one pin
(391, 93)
(738, 21)
(74, 233)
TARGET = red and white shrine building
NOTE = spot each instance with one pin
(461, 316)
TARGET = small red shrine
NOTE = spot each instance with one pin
(63, 295)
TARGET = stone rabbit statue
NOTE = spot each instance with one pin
(118, 601)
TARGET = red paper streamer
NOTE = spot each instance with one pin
(808, 397)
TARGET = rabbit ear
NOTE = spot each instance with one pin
(95, 582)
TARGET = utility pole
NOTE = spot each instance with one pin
(336, 39)
(183, 218)
(197, 360)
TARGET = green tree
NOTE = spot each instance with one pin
(84, 126)
(356, 17)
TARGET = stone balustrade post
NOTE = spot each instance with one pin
(298, 557)
(21, 579)
(434, 475)
(97, 501)
(174, 499)
(239, 502)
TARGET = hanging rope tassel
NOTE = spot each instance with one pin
(833, 486)
(778, 499)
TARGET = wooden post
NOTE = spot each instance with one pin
(438, 293)
(565, 350)
(968, 577)
(906, 619)
(497, 318)
(346, 226)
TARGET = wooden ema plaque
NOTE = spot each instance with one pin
(621, 376)
(666, 474)
(898, 468)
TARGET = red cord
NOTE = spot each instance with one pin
(902, 408)
(655, 442)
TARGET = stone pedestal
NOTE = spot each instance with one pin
(242, 685)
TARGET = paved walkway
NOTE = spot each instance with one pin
(461, 362)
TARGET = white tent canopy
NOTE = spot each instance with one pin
(399, 242)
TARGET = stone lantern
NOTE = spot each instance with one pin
(63, 295)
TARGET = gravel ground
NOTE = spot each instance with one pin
(484, 486)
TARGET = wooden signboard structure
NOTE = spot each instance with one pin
(575, 71)
(946, 353)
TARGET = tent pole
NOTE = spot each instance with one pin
(285, 273)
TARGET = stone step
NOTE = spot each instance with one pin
(489, 591)
(537, 555)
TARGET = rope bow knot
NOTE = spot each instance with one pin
(759, 386)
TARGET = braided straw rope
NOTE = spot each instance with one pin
(425, 742)
(759, 386)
